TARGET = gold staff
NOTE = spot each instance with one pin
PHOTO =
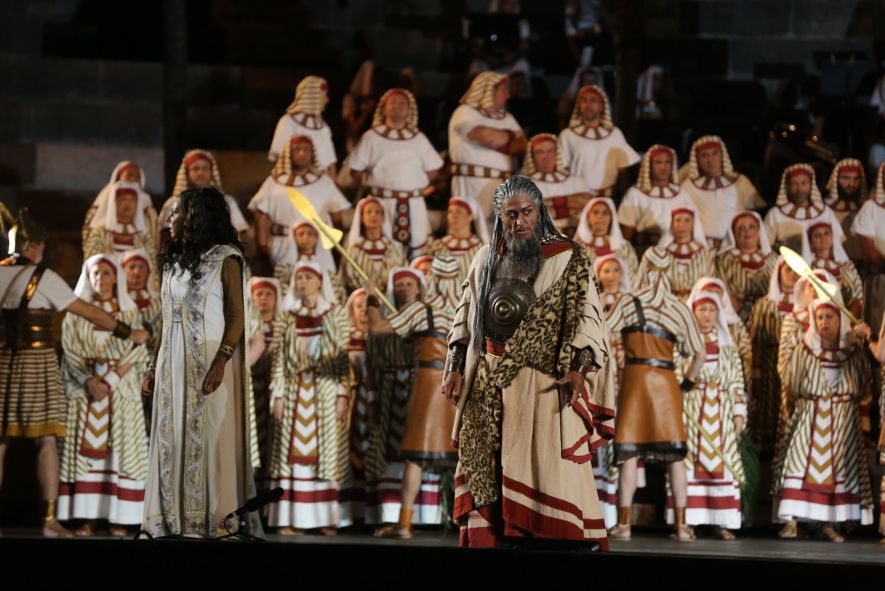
(330, 237)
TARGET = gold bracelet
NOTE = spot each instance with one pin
(226, 350)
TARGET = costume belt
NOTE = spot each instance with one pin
(603, 192)
(649, 329)
(495, 347)
(279, 230)
(659, 363)
(475, 170)
(393, 193)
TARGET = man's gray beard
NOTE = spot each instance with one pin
(522, 259)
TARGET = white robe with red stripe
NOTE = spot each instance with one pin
(714, 491)
(821, 473)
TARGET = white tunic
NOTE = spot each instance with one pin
(647, 213)
(463, 150)
(717, 206)
(398, 165)
(788, 230)
(596, 162)
(870, 222)
(289, 126)
(550, 189)
(52, 291)
(272, 199)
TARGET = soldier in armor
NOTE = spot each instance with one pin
(654, 326)
(426, 443)
(32, 395)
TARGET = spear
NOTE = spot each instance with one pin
(330, 236)
(825, 290)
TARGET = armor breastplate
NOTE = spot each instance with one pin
(509, 300)
(23, 327)
(26, 329)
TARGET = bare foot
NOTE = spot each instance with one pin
(118, 531)
(54, 529)
(329, 531)
(723, 534)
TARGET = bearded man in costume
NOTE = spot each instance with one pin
(530, 370)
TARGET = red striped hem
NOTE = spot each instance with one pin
(519, 516)
(67, 489)
(477, 537)
(552, 502)
(320, 496)
(818, 498)
(713, 503)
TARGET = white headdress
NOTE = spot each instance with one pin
(84, 290)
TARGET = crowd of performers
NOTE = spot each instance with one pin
(190, 379)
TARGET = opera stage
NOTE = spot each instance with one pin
(433, 560)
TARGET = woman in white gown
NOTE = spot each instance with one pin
(200, 467)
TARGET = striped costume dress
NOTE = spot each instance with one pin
(599, 246)
(309, 372)
(392, 369)
(282, 272)
(765, 323)
(793, 327)
(105, 458)
(714, 491)
(260, 372)
(685, 264)
(821, 474)
(125, 237)
(463, 249)
(746, 275)
(352, 487)
(376, 257)
(849, 281)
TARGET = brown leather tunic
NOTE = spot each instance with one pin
(429, 426)
(649, 421)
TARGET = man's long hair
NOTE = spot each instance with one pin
(545, 230)
(206, 223)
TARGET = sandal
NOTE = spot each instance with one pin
(683, 533)
(789, 531)
(620, 532)
(54, 529)
(832, 535)
(290, 531)
(118, 531)
(329, 531)
(394, 531)
(87, 530)
(723, 534)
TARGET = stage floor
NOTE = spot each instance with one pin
(755, 547)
